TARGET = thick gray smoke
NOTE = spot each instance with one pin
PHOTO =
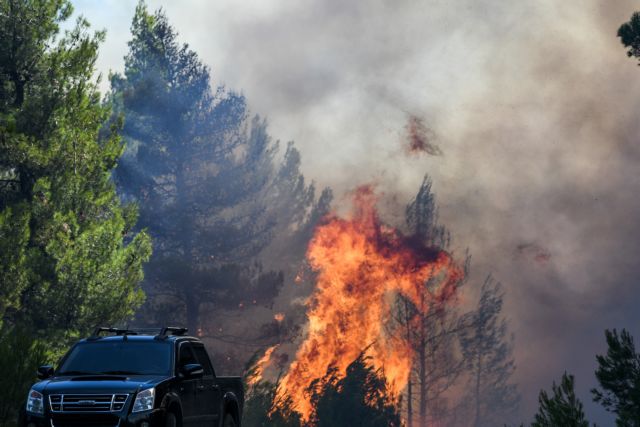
(534, 105)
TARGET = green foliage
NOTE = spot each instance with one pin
(68, 261)
(629, 34)
(619, 376)
(14, 235)
(361, 398)
(20, 355)
(563, 408)
(67, 258)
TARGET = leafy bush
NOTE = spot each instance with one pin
(20, 355)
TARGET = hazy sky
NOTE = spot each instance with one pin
(534, 105)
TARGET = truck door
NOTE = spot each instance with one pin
(188, 387)
(209, 394)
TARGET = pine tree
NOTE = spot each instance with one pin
(68, 258)
(264, 409)
(211, 191)
(629, 34)
(561, 409)
(487, 349)
(433, 328)
(360, 398)
(619, 376)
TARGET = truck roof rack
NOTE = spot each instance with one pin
(171, 330)
(116, 331)
(160, 333)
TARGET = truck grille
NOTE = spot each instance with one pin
(87, 402)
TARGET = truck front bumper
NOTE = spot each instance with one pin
(154, 418)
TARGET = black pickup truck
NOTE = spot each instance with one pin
(127, 378)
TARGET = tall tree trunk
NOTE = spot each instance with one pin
(410, 402)
(191, 299)
(476, 422)
(423, 367)
(19, 87)
(16, 77)
(407, 323)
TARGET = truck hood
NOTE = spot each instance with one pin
(99, 384)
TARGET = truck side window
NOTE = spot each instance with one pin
(186, 355)
(203, 358)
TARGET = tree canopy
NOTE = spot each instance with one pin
(68, 258)
(629, 34)
(618, 374)
(360, 398)
(214, 190)
(562, 408)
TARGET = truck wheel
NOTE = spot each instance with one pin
(171, 420)
(229, 421)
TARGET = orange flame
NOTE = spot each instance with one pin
(260, 366)
(361, 264)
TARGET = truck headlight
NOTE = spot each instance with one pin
(35, 402)
(144, 400)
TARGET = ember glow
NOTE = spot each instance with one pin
(361, 264)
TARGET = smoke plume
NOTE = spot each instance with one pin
(536, 109)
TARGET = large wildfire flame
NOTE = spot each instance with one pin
(361, 264)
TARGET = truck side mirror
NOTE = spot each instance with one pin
(192, 370)
(44, 372)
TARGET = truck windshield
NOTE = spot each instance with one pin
(127, 357)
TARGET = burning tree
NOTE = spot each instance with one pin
(432, 326)
(263, 408)
(360, 397)
(362, 266)
(361, 263)
(453, 350)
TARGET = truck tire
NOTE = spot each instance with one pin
(229, 421)
(171, 420)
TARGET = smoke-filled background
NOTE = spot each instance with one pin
(533, 104)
